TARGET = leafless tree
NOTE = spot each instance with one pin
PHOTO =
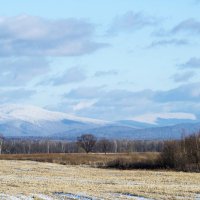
(87, 142)
(105, 145)
(1, 142)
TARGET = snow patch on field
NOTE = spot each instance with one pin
(197, 197)
(23, 197)
(130, 196)
(75, 196)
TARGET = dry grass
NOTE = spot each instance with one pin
(81, 158)
(28, 177)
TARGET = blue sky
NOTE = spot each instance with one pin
(102, 59)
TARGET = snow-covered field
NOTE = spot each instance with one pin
(23, 197)
(65, 196)
(26, 180)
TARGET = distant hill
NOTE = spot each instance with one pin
(124, 132)
(31, 121)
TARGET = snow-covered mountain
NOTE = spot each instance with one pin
(31, 121)
(22, 120)
(33, 114)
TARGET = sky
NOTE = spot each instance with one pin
(109, 60)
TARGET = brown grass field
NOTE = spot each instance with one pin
(22, 179)
(81, 158)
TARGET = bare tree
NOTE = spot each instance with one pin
(1, 142)
(87, 142)
(105, 145)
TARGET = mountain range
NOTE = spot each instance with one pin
(31, 121)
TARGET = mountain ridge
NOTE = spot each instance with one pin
(32, 121)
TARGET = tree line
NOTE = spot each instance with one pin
(85, 143)
(183, 154)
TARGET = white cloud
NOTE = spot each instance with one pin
(15, 95)
(26, 35)
(175, 42)
(105, 73)
(152, 117)
(131, 21)
(124, 104)
(183, 77)
(83, 105)
(19, 71)
(191, 63)
(71, 75)
(189, 25)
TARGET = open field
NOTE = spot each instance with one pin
(30, 180)
(81, 158)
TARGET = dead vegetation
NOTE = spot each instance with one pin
(183, 155)
(28, 177)
(92, 159)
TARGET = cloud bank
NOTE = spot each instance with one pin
(124, 104)
(26, 35)
(20, 71)
(131, 21)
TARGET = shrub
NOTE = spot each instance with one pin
(182, 155)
